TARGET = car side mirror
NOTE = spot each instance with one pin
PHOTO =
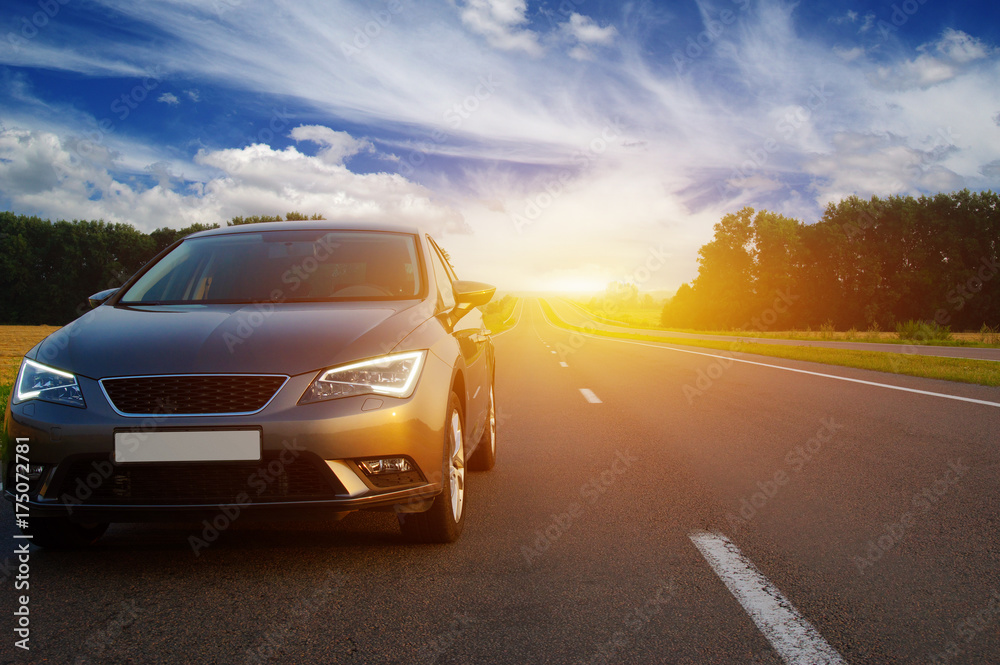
(467, 295)
(100, 297)
(472, 294)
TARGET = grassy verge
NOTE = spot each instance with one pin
(981, 372)
(15, 341)
(636, 319)
(498, 318)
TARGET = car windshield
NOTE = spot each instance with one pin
(283, 266)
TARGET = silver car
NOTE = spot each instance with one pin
(284, 368)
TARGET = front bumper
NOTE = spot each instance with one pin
(308, 461)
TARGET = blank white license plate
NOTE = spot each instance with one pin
(201, 446)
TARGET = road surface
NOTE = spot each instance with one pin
(651, 504)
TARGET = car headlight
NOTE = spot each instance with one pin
(38, 381)
(394, 375)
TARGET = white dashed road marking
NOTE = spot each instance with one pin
(589, 395)
(791, 635)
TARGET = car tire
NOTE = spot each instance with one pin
(63, 534)
(485, 455)
(444, 521)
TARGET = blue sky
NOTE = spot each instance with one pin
(548, 144)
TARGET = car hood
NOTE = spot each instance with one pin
(288, 338)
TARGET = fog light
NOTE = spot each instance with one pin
(35, 471)
(385, 465)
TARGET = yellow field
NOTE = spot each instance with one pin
(15, 341)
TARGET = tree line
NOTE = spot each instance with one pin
(866, 264)
(48, 269)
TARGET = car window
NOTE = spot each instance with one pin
(283, 266)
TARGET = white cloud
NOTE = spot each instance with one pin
(850, 17)
(961, 47)
(869, 164)
(938, 61)
(41, 175)
(662, 174)
(499, 21)
(193, 95)
(168, 98)
(336, 146)
(849, 54)
(585, 30)
(923, 71)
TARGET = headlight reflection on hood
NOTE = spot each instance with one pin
(394, 375)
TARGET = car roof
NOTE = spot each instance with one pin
(306, 225)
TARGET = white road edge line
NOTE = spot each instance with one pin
(521, 305)
(589, 395)
(800, 371)
(791, 635)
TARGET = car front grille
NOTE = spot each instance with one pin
(96, 481)
(191, 394)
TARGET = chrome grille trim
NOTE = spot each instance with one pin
(161, 414)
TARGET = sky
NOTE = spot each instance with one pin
(554, 145)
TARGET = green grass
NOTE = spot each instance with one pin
(981, 372)
(639, 318)
(4, 396)
(499, 321)
(636, 316)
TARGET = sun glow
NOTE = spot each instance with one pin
(582, 282)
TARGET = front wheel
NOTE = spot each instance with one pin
(444, 521)
(63, 534)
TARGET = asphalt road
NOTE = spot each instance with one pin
(870, 511)
(576, 315)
